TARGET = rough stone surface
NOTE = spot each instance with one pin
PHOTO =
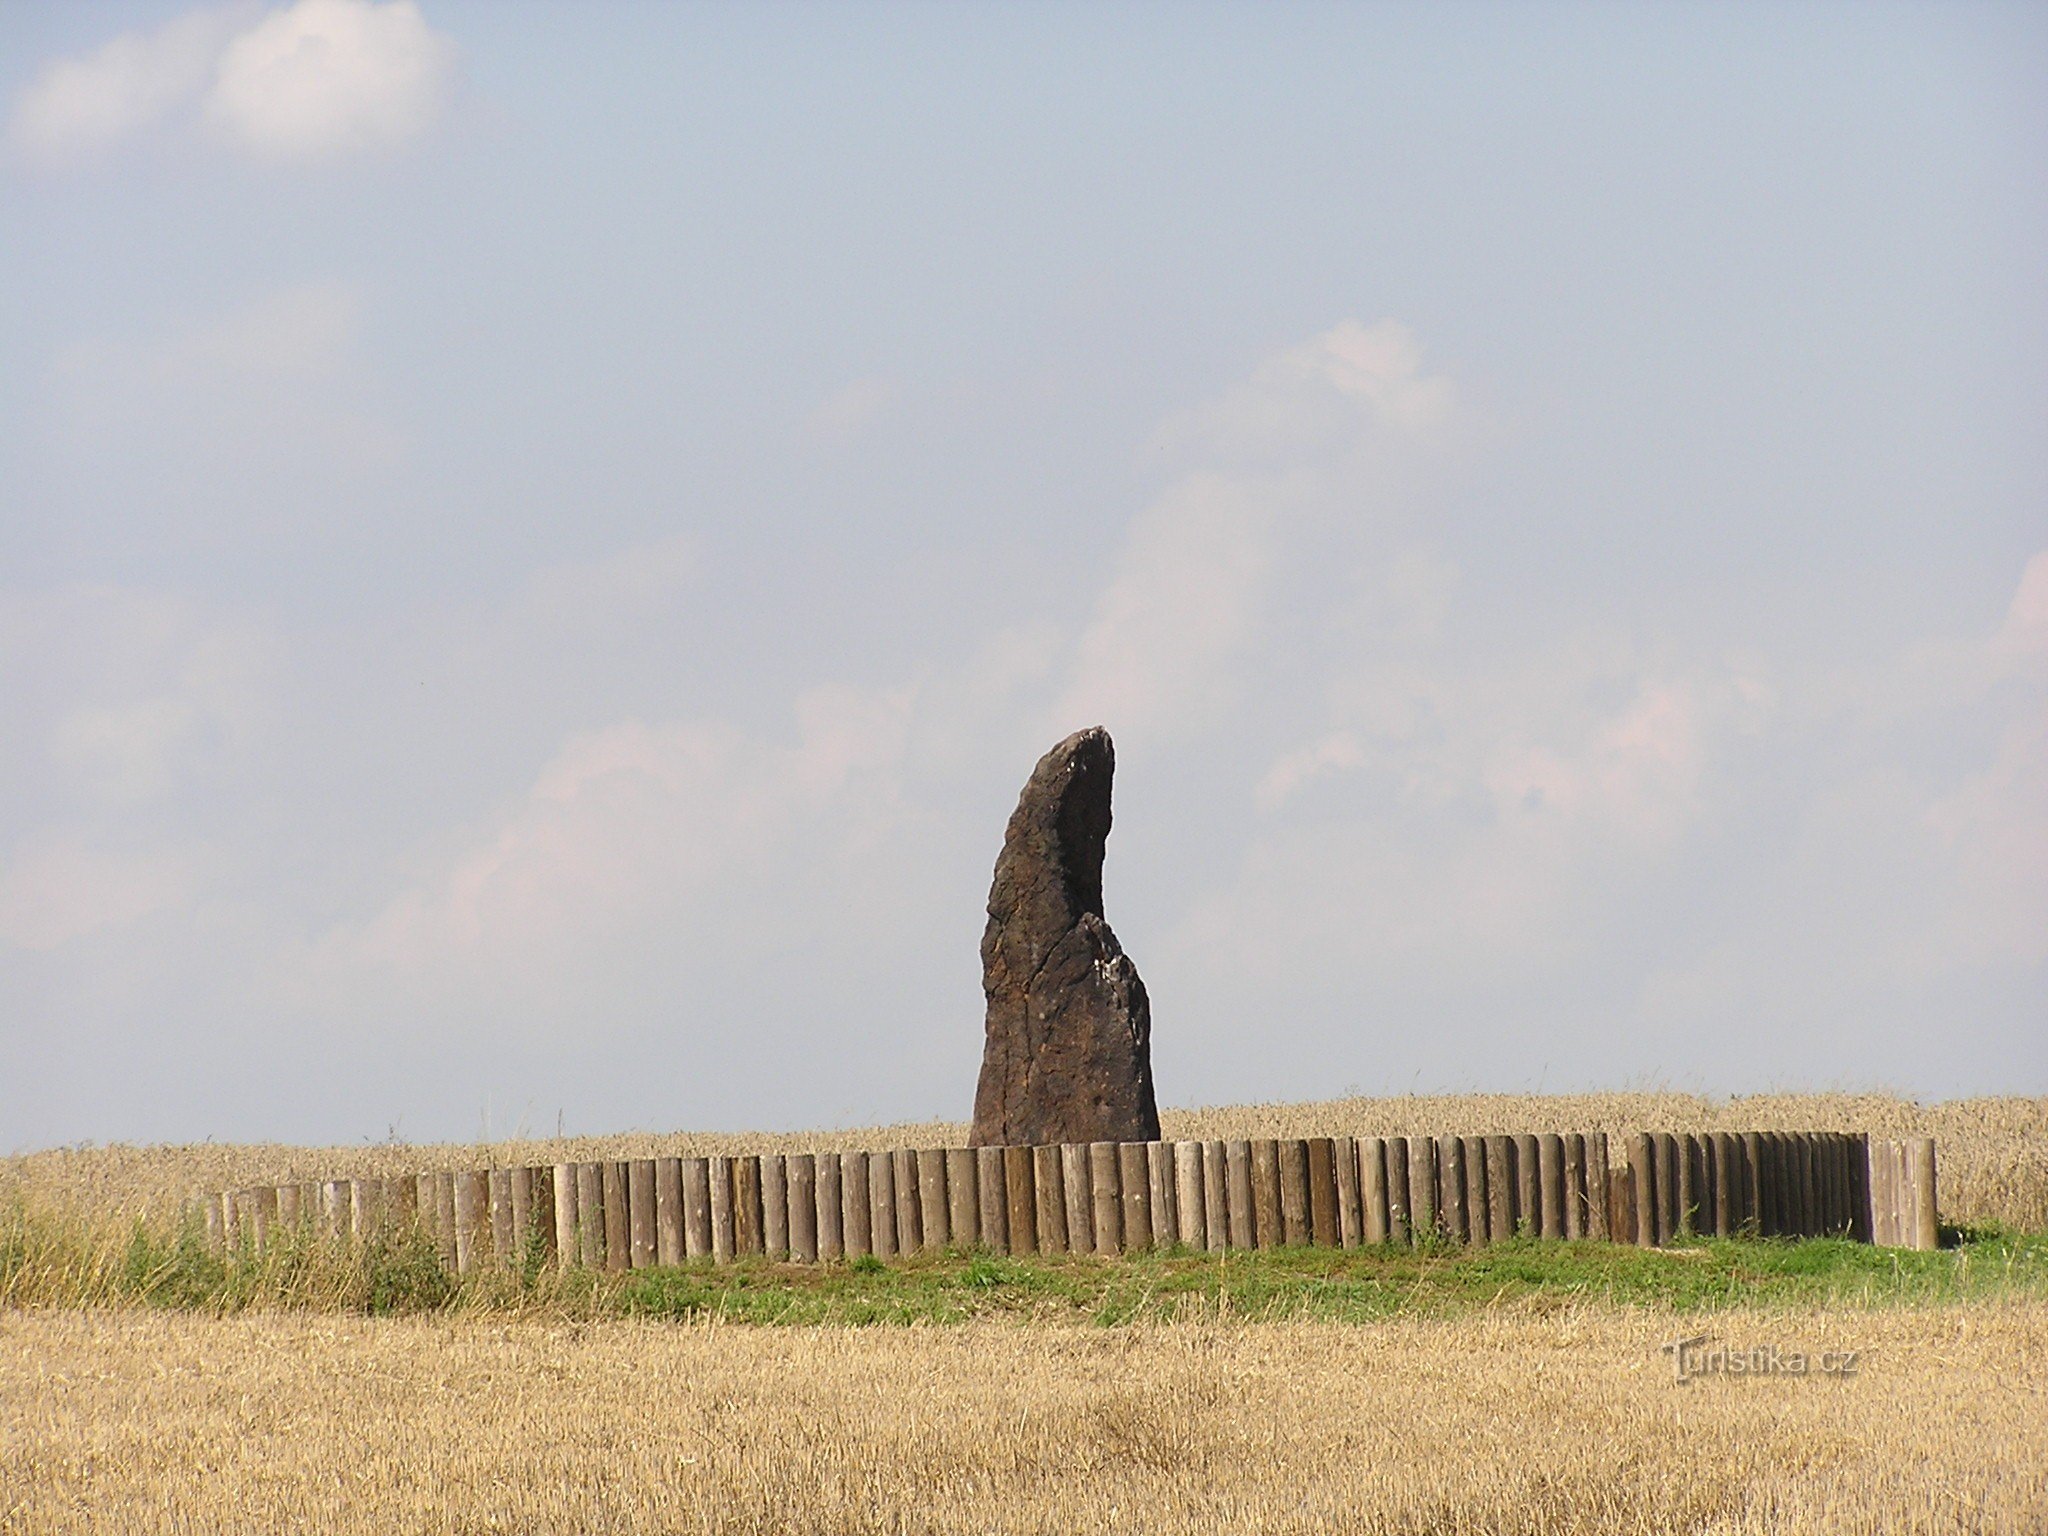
(1068, 1052)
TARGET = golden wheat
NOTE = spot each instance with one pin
(1506, 1422)
(1993, 1152)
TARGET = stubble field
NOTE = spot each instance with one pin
(1513, 1389)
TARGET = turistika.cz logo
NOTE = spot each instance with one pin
(1697, 1356)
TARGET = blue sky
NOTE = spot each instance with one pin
(538, 544)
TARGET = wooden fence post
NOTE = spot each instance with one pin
(1240, 1203)
(1664, 1155)
(1350, 1194)
(472, 1220)
(1621, 1205)
(1926, 1218)
(288, 1207)
(829, 1206)
(1502, 1185)
(519, 1186)
(1322, 1192)
(963, 1196)
(1159, 1193)
(909, 1208)
(994, 1198)
(775, 1205)
(934, 1208)
(1294, 1228)
(1451, 1219)
(618, 1216)
(498, 1192)
(882, 1205)
(1400, 1224)
(1642, 1168)
(1574, 1186)
(1424, 1222)
(724, 1229)
(1549, 1186)
(1859, 1187)
(1215, 1196)
(1192, 1230)
(1528, 1186)
(801, 1169)
(1134, 1174)
(748, 1219)
(1105, 1185)
(1078, 1188)
(567, 1227)
(1020, 1196)
(856, 1215)
(669, 1243)
(1049, 1198)
(1266, 1192)
(1373, 1210)
(1478, 1225)
(1600, 1224)
(696, 1207)
(641, 1250)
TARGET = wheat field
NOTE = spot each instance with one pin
(1507, 1422)
(1992, 1152)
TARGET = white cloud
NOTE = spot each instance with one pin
(327, 77)
(79, 107)
(60, 888)
(316, 79)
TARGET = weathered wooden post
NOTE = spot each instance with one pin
(994, 1197)
(289, 1211)
(1216, 1195)
(1600, 1224)
(775, 1205)
(497, 1202)
(881, 1205)
(1266, 1221)
(1664, 1157)
(934, 1208)
(909, 1205)
(1193, 1229)
(1049, 1198)
(1549, 1186)
(669, 1242)
(1423, 1221)
(1160, 1193)
(567, 1226)
(641, 1251)
(1373, 1211)
(1134, 1174)
(963, 1196)
(1350, 1193)
(1105, 1183)
(696, 1207)
(856, 1215)
(472, 1220)
(1240, 1203)
(1502, 1183)
(1322, 1191)
(829, 1209)
(748, 1220)
(1926, 1219)
(802, 1171)
(1528, 1185)
(1478, 1222)
(1574, 1186)
(1077, 1184)
(618, 1217)
(1642, 1168)
(1400, 1225)
(1451, 1218)
(1859, 1187)
(1294, 1215)
(519, 1190)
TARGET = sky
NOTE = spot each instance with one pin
(539, 543)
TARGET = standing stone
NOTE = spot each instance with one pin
(1068, 1050)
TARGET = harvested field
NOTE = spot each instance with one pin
(1503, 1422)
(1993, 1152)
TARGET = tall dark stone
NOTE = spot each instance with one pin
(1068, 1054)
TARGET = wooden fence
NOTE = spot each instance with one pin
(1117, 1197)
